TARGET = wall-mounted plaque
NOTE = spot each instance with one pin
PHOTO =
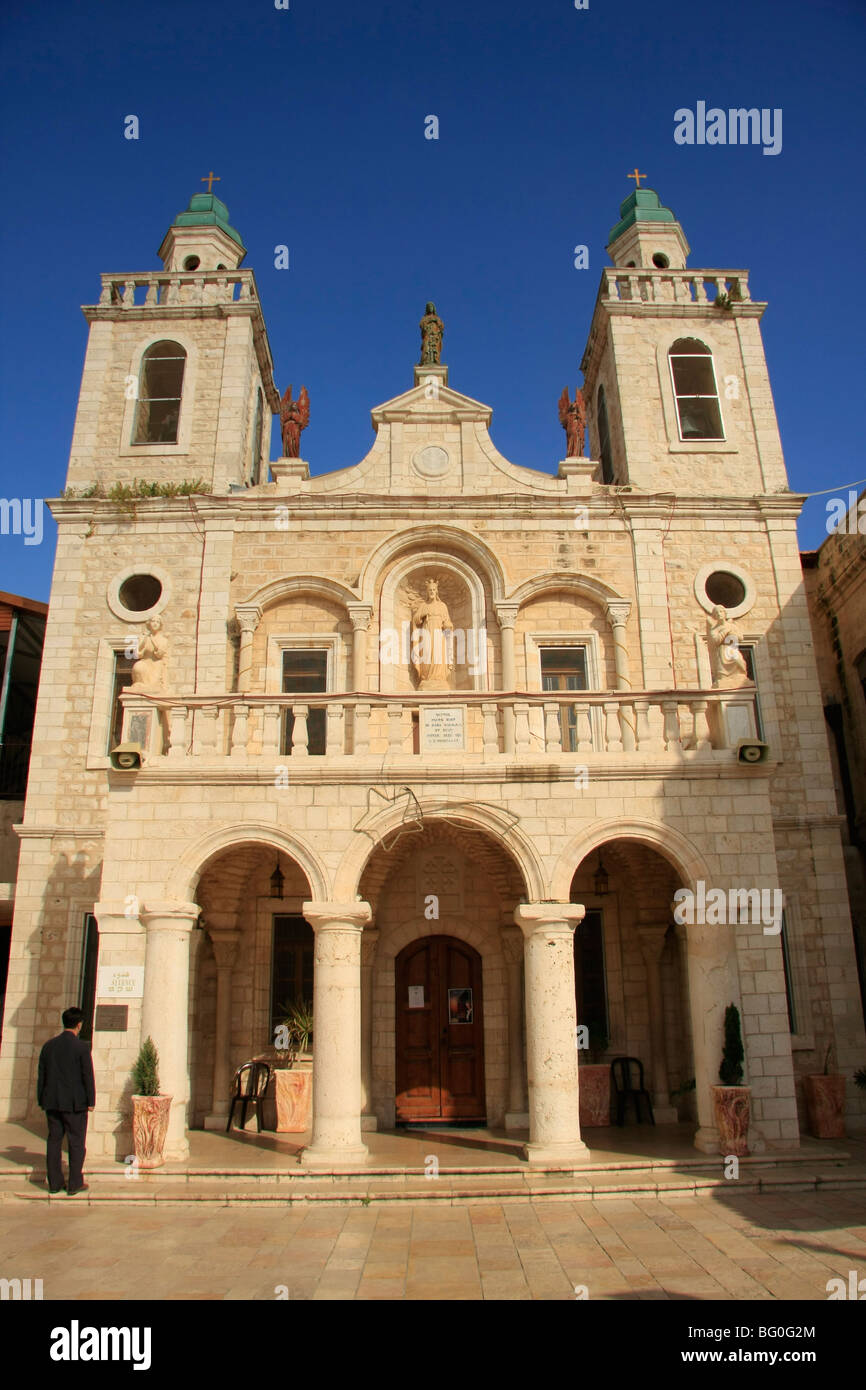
(416, 996)
(443, 729)
(111, 1018)
(120, 982)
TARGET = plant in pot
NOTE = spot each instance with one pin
(293, 1084)
(150, 1109)
(594, 1081)
(825, 1101)
(732, 1102)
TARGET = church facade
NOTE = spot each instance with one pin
(498, 768)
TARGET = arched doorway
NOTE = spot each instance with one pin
(440, 1032)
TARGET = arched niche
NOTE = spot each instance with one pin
(461, 588)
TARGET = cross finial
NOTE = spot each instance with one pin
(636, 176)
(213, 178)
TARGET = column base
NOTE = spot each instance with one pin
(517, 1119)
(176, 1150)
(557, 1155)
(335, 1158)
(369, 1122)
(216, 1121)
(707, 1139)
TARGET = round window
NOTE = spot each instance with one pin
(724, 588)
(191, 263)
(140, 592)
(660, 261)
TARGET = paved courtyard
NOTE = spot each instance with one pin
(740, 1247)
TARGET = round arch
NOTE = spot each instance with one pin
(438, 538)
(300, 584)
(188, 870)
(488, 819)
(583, 584)
(671, 844)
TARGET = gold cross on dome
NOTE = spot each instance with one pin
(636, 176)
(213, 178)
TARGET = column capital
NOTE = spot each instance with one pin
(512, 944)
(360, 614)
(225, 946)
(556, 918)
(652, 939)
(170, 916)
(506, 614)
(116, 918)
(249, 615)
(617, 613)
(323, 916)
(369, 943)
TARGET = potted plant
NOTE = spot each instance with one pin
(594, 1082)
(825, 1101)
(293, 1074)
(732, 1102)
(150, 1109)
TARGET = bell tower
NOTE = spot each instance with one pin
(178, 385)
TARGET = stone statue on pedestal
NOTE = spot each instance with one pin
(431, 660)
(149, 671)
(727, 662)
(572, 417)
(432, 333)
(294, 417)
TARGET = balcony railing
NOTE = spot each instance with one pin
(161, 289)
(477, 726)
(674, 286)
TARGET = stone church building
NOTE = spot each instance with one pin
(472, 756)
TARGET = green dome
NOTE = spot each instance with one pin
(641, 205)
(207, 210)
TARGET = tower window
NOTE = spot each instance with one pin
(660, 260)
(159, 392)
(257, 442)
(191, 263)
(604, 448)
(697, 396)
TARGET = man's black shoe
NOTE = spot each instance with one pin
(73, 1191)
(54, 1190)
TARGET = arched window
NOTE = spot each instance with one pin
(255, 458)
(698, 412)
(604, 448)
(159, 391)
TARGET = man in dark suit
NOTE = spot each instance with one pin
(66, 1091)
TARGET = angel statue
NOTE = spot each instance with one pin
(727, 662)
(431, 659)
(572, 417)
(294, 417)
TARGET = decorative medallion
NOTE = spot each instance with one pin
(432, 461)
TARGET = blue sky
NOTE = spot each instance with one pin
(314, 119)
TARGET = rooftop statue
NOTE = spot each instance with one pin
(432, 332)
(572, 417)
(294, 417)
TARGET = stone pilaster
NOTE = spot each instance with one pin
(225, 948)
(336, 1138)
(506, 614)
(369, 943)
(551, 1023)
(517, 1113)
(249, 615)
(360, 614)
(165, 1008)
(652, 944)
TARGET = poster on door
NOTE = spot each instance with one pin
(416, 996)
(460, 1008)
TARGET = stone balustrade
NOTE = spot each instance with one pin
(160, 289)
(673, 286)
(243, 728)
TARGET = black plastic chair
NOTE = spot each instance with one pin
(623, 1083)
(249, 1086)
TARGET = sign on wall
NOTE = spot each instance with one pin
(443, 728)
(120, 982)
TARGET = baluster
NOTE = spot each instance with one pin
(584, 728)
(271, 731)
(673, 737)
(129, 294)
(206, 727)
(300, 734)
(395, 728)
(552, 728)
(612, 736)
(362, 729)
(150, 297)
(703, 742)
(742, 285)
(336, 735)
(105, 296)
(177, 731)
(521, 729)
(700, 292)
(240, 731)
(643, 737)
(490, 732)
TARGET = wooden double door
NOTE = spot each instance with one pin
(440, 1032)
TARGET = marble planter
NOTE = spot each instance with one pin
(732, 1106)
(293, 1091)
(149, 1128)
(594, 1095)
(825, 1105)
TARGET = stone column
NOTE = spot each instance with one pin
(337, 1041)
(369, 942)
(122, 942)
(551, 1038)
(652, 944)
(225, 948)
(617, 616)
(712, 986)
(165, 1008)
(507, 616)
(360, 614)
(517, 1112)
(249, 616)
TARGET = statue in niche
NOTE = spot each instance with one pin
(572, 417)
(432, 333)
(431, 656)
(149, 671)
(727, 662)
(294, 417)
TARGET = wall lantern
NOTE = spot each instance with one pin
(277, 881)
(600, 879)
